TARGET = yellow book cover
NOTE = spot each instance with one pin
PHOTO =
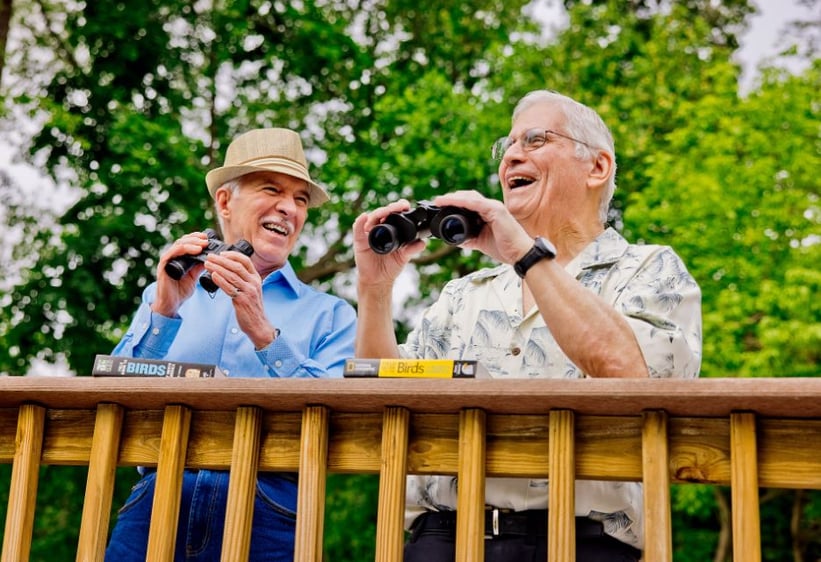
(412, 368)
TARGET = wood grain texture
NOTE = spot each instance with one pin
(561, 502)
(313, 467)
(473, 429)
(239, 509)
(24, 479)
(708, 397)
(165, 509)
(744, 489)
(390, 537)
(470, 501)
(658, 527)
(102, 467)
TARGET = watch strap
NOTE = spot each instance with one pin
(542, 249)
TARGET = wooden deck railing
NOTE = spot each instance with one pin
(746, 433)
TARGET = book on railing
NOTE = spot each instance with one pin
(114, 366)
(415, 368)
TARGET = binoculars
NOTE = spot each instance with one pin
(179, 266)
(454, 225)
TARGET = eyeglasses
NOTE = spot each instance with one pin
(531, 140)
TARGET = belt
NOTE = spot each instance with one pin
(499, 522)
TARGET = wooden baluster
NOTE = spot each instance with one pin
(313, 468)
(391, 515)
(658, 528)
(744, 468)
(470, 502)
(102, 467)
(165, 509)
(561, 509)
(236, 542)
(28, 449)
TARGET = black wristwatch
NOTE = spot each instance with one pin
(541, 250)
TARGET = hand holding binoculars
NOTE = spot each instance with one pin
(454, 225)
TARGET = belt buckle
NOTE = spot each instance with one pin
(494, 524)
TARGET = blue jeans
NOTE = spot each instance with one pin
(202, 519)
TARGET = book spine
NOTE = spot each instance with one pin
(410, 368)
(109, 365)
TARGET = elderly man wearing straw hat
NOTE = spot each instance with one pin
(255, 319)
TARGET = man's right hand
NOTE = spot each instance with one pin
(170, 292)
(375, 270)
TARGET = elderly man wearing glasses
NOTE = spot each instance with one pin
(571, 299)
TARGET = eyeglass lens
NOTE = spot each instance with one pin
(531, 140)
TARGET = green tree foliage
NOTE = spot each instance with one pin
(397, 99)
(738, 195)
(140, 105)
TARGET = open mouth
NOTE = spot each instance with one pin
(515, 182)
(277, 228)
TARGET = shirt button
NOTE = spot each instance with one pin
(227, 372)
(234, 330)
(277, 363)
(156, 331)
(516, 351)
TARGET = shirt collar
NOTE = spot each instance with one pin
(604, 251)
(285, 275)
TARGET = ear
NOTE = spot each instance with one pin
(222, 196)
(600, 169)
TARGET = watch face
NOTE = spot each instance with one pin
(546, 247)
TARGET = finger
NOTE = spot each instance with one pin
(377, 216)
(234, 262)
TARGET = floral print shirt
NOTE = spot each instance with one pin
(480, 317)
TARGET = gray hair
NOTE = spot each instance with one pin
(585, 124)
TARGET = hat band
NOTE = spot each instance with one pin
(274, 163)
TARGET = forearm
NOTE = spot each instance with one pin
(375, 336)
(149, 335)
(595, 336)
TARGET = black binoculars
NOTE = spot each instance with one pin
(180, 265)
(454, 225)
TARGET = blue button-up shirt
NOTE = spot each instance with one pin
(317, 331)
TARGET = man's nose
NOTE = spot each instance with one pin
(514, 153)
(286, 205)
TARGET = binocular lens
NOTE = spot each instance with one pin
(175, 269)
(454, 229)
(383, 239)
(208, 283)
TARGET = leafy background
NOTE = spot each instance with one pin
(132, 101)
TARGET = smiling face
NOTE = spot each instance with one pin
(268, 209)
(547, 188)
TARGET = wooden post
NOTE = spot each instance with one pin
(102, 467)
(391, 515)
(655, 457)
(313, 468)
(561, 509)
(25, 473)
(744, 467)
(165, 510)
(470, 502)
(239, 511)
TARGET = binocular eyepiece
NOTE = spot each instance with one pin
(454, 225)
(180, 265)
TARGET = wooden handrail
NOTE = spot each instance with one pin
(744, 433)
(707, 397)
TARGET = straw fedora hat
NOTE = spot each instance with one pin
(266, 150)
